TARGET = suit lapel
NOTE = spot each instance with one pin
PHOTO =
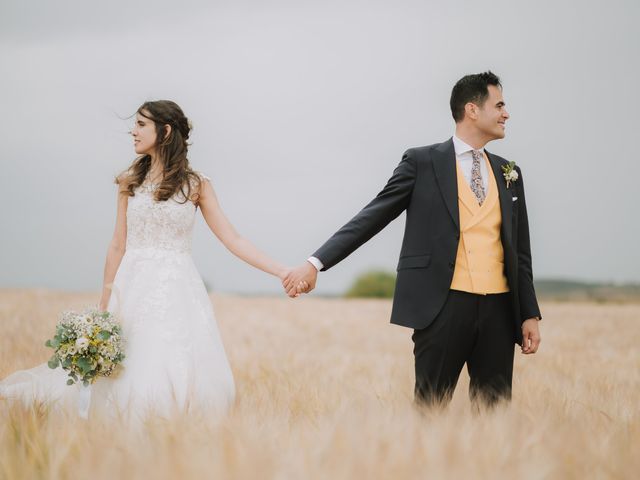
(506, 203)
(444, 166)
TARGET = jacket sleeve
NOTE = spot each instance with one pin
(526, 292)
(387, 205)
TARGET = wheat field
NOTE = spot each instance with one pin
(324, 390)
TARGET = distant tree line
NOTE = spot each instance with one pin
(381, 284)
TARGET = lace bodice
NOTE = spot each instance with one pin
(157, 225)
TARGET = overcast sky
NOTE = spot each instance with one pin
(301, 111)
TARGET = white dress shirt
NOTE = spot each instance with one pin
(465, 161)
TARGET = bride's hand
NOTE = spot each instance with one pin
(303, 286)
(283, 272)
(103, 304)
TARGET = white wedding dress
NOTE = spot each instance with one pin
(175, 360)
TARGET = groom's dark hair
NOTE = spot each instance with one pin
(471, 88)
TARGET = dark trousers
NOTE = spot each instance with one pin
(471, 328)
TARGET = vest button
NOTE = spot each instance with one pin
(451, 265)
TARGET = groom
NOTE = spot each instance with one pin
(464, 281)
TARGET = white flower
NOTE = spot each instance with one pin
(82, 343)
(509, 172)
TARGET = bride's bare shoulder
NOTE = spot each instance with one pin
(199, 183)
(203, 176)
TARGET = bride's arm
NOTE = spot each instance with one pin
(235, 243)
(116, 249)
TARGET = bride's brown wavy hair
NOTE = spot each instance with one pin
(171, 150)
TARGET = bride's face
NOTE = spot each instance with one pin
(144, 135)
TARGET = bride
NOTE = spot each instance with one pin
(175, 360)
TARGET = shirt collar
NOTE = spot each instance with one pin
(461, 147)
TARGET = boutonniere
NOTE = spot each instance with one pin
(509, 172)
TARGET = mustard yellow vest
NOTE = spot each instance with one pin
(480, 258)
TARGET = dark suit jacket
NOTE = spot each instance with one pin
(425, 185)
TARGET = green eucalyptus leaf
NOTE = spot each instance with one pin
(84, 364)
(104, 335)
(53, 362)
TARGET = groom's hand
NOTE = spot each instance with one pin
(300, 280)
(530, 336)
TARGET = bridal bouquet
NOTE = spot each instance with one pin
(86, 345)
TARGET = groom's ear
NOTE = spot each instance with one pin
(471, 110)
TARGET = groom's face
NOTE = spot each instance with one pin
(493, 115)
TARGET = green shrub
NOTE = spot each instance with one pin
(374, 284)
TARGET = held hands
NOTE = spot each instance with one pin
(300, 280)
(530, 336)
(282, 273)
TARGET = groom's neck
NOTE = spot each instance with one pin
(471, 136)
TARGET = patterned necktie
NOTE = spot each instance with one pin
(476, 176)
